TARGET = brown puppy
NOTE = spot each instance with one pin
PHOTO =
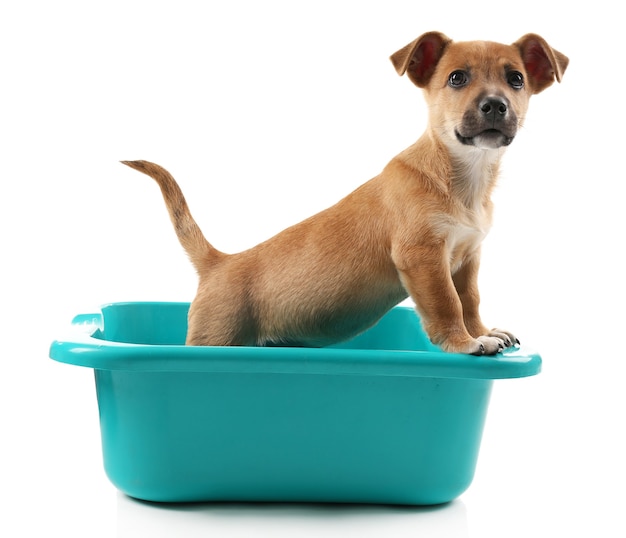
(415, 229)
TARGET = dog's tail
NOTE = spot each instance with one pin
(199, 250)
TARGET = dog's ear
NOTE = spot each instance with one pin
(420, 57)
(543, 63)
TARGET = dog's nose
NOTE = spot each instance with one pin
(493, 107)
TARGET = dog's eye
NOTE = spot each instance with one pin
(458, 79)
(515, 80)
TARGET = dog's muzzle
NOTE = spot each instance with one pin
(491, 124)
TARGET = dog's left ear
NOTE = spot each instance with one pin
(419, 58)
(543, 63)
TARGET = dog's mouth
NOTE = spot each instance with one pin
(487, 139)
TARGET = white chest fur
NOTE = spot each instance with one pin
(471, 184)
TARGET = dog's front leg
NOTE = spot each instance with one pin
(425, 274)
(466, 283)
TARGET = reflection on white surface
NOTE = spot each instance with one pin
(137, 519)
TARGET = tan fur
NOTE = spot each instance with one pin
(416, 229)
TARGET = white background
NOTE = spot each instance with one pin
(267, 112)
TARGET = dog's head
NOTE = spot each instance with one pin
(478, 91)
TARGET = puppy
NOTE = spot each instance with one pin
(415, 229)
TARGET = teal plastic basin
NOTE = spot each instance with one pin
(386, 418)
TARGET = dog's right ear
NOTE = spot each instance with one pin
(420, 57)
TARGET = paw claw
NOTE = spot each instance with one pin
(480, 350)
(508, 339)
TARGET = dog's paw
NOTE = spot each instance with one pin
(508, 338)
(489, 345)
(496, 341)
(483, 345)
